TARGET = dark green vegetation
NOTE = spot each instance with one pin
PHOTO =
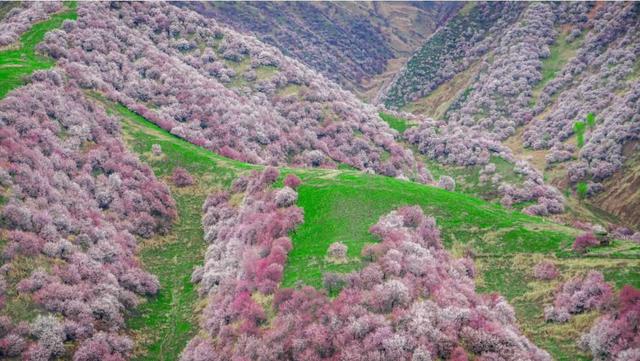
(16, 64)
(580, 127)
(6, 6)
(471, 24)
(591, 120)
(350, 42)
(581, 188)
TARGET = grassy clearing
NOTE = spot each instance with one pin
(16, 64)
(468, 178)
(265, 72)
(344, 207)
(395, 123)
(244, 66)
(537, 158)
(20, 307)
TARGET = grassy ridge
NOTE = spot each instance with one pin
(16, 64)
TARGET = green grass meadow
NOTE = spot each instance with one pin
(17, 63)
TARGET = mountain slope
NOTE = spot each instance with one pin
(330, 197)
(226, 91)
(351, 43)
(559, 79)
(301, 261)
(466, 37)
(621, 195)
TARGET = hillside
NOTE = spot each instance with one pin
(226, 91)
(172, 188)
(350, 43)
(569, 111)
(468, 226)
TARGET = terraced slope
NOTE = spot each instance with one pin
(622, 192)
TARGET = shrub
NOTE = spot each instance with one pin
(579, 295)
(270, 175)
(198, 349)
(292, 181)
(286, 197)
(591, 120)
(104, 346)
(579, 128)
(545, 270)
(12, 345)
(614, 336)
(333, 282)
(181, 177)
(50, 335)
(582, 189)
(447, 183)
(584, 242)
(156, 150)
(258, 233)
(337, 252)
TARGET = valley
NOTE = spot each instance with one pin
(320, 181)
